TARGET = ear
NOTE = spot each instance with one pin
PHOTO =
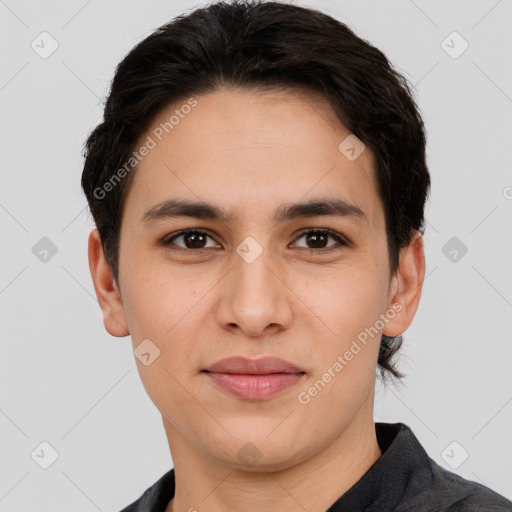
(406, 286)
(106, 289)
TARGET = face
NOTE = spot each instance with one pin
(253, 274)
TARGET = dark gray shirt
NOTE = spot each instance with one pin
(403, 479)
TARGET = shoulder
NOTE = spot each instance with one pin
(156, 497)
(472, 496)
(429, 486)
(448, 492)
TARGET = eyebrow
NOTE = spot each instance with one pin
(203, 210)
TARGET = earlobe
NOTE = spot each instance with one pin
(406, 287)
(108, 295)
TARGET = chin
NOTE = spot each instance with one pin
(256, 451)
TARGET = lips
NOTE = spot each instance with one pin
(254, 379)
(262, 366)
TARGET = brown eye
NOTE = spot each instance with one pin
(191, 239)
(317, 240)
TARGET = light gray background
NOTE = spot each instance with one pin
(66, 381)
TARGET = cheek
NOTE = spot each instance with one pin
(342, 311)
(156, 296)
(169, 307)
(344, 301)
(160, 307)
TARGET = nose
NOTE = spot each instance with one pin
(254, 298)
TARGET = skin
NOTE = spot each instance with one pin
(251, 152)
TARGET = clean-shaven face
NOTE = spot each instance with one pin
(272, 244)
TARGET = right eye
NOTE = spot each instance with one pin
(193, 239)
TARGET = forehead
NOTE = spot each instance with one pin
(248, 150)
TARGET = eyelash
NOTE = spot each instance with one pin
(167, 241)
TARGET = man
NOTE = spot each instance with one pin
(258, 186)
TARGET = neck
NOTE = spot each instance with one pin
(315, 484)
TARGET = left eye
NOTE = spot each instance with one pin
(319, 237)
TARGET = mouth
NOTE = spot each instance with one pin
(254, 379)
